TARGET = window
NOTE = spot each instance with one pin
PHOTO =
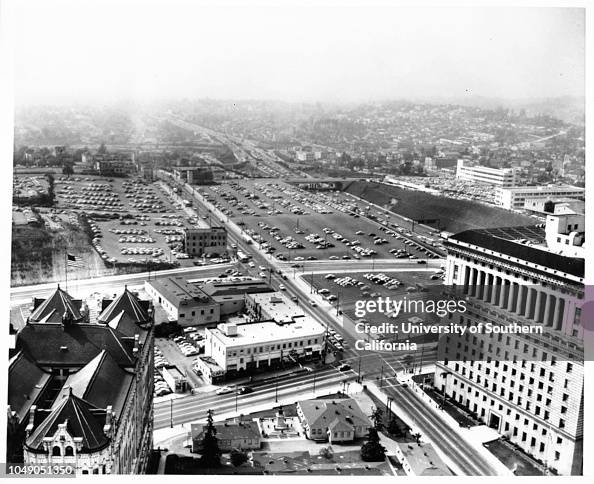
(56, 451)
(69, 450)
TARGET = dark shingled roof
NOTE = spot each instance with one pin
(83, 420)
(53, 308)
(26, 381)
(323, 413)
(50, 344)
(135, 309)
(504, 240)
(101, 383)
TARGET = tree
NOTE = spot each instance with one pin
(211, 454)
(68, 169)
(372, 450)
(327, 452)
(238, 457)
(102, 149)
(376, 418)
(395, 429)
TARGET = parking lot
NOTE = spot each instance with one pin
(346, 290)
(295, 224)
(132, 221)
(181, 353)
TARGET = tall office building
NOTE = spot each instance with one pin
(528, 386)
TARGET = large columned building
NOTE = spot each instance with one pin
(526, 385)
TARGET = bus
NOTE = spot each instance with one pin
(241, 257)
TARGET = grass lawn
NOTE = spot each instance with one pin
(522, 464)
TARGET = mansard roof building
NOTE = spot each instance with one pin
(81, 391)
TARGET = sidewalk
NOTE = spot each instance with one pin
(475, 436)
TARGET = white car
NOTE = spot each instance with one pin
(224, 390)
(282, 287)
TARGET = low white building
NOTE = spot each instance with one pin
(514, 198)
(503, 177)
(238, 347)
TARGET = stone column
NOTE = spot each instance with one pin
(495, 290)
(549, 307)
(471, 282)
(529, 302)
(513, 294)
(479, 284)
(521, 302)
(503, 293)
(559, 311)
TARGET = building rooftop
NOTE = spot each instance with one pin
(178, 290)
(222, 288)
(423, 459)
(333, 414)
(52, 309)
(127, 303)
(229, 431)
(100, 382)
(277, 307)
(81, 419)
(26, 381)
(266, 332)
(527, 244)
(54, 345)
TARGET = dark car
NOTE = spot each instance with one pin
(344, 367)
(245, 390)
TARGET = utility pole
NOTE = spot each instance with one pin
(276, 391)
(359, 371)
(171, 412)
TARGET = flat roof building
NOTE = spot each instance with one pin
(183, 301)
(504, 177)
(527, 386)
(240, 347)
(514, 198)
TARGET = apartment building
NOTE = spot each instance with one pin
(527, 386)
(205, 240)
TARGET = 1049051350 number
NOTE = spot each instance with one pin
(47, 470)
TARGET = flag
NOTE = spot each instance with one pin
(73, 261)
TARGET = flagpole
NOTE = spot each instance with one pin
(66, 268)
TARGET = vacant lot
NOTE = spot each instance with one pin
(454, 215)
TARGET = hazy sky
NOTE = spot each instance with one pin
(81, 50)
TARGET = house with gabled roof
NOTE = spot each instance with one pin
(333, 421)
